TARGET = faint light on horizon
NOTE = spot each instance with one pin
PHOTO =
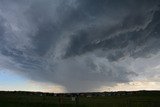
(10, 81)
(132, 86)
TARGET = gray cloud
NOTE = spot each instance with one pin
(81, 45)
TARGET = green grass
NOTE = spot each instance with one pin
(136, 100)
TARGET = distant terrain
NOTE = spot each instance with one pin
(90, 99)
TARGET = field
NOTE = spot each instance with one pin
(116, 99)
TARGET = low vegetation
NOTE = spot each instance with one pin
(105, 99)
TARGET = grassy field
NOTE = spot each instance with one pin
(142, 99)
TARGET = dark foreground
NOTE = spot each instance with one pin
(105, 99)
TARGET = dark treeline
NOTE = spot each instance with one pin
(87, 94)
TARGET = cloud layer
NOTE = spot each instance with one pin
(81, 44)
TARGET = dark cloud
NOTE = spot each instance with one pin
(81, 45)
(134, 28)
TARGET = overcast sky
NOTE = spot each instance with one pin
(81, 45)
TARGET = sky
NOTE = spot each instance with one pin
(79, 45)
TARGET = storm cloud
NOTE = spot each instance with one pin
(81, 44)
